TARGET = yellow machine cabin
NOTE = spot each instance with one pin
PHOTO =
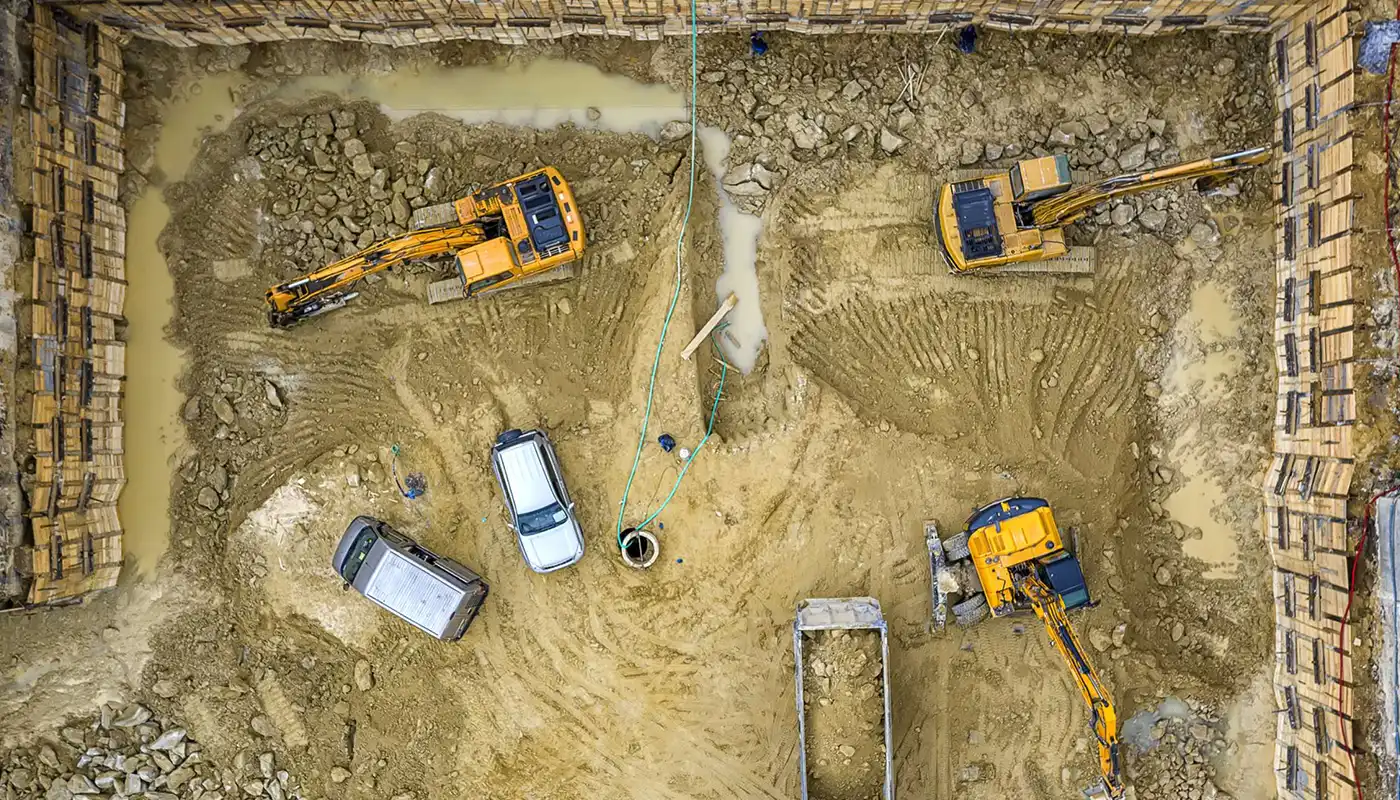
(502, 236)
(1020, 215)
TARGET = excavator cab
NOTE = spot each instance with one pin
(1039, 178)
(1065, 577)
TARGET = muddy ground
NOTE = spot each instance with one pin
(1137, 401)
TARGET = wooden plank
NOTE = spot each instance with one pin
(705, 330)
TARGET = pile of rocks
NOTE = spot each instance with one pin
(237, 410)
(334, 196)
(128, 753)
(1179, 764)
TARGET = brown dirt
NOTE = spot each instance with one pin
(889, 392)
(845, 714)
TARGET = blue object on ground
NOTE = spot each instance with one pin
(967, 39)
(757, 44)
(667, 442)
(1375, 45)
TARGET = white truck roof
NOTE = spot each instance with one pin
(523, 467)
(413, 593)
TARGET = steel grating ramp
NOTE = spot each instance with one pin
(445, 291)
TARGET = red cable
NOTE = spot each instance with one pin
(1370, 504)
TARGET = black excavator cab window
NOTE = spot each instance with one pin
(975, 209)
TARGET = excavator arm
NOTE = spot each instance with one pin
(1103, 717)
(329, 287)
(1073, 205)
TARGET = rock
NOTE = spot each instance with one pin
(58, 790)
(218, 479)
(192, 409)
(846, 750)
(262, 725)
(131, 716)
(675, 130)
(905, 121)
(1036, 355)
(806, 133)
(1164, 576)
(168, 740)
(1157, 126)
(1120, 634)
(21, 778)
(362, 167)
(1178, 631)
(1121, 215)
(1060, 137)
(179, 777)
(1152, 219)
(852, 90)
(1098, 124)
(344, 119)
(1133, 157)
(1204, 234)
(1100, 639)
(82, 784)
(399, 207)
(379, 179)
(971, 153)
(432, 184)
(1152, 389)
(890, 141)
(593, 114)
(352, 475)
(971, 773)
(339, 774)
(712, 76)
(1076, 129)
(274, 398)
(352, 147)
(364, 675)
(281, 208)
(992, 152)
(749, 180)
(208, 499)
(1224, 66)
(223, 409)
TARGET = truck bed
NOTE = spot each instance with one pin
(843, 708)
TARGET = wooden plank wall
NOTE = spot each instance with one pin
(1305, 491)
(408, 22)
(76, 362)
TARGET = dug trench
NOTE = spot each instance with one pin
(889, 392)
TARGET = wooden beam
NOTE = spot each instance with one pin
(724, 308)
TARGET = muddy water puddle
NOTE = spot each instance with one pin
(1199, 374)
(547, 93)
(153, 399)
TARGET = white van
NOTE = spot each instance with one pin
(541, 513)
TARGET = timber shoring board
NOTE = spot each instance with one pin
(77, 298)
(1309, 478)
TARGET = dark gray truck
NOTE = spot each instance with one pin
(429, 591)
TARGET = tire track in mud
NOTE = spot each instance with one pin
(983, 367)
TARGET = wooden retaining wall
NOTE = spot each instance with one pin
(76, 362)
(1306, 488)
(408, 22)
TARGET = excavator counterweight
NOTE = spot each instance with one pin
(1011, 557)
(502, 236)
(1019, 215)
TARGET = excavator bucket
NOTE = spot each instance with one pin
(937, 568)
(1099, 791)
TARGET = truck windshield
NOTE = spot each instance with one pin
(543, 519)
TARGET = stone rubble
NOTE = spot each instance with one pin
(127, 753)
(1181, 763)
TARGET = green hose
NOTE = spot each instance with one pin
(675, 295)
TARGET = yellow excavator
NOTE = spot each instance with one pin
(1019, 215)
(502, 236)
(1009, 558)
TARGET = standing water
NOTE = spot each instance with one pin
(153, 365)
(546, 93)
